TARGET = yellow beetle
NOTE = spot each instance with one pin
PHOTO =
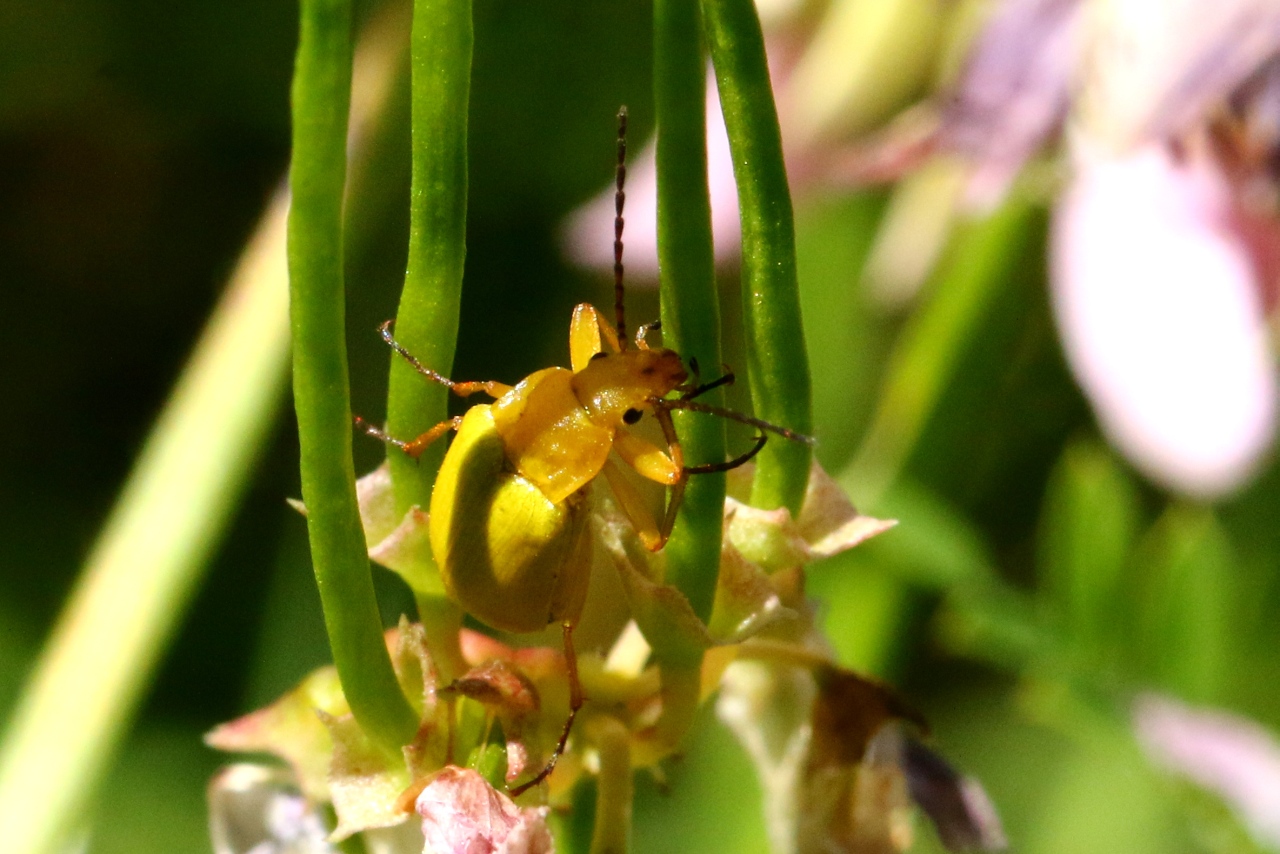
(509, 512)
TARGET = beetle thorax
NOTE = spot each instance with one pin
(612, 383)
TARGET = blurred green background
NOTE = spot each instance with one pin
(1035, 583)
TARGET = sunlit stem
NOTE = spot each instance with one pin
(427, 319)
(442, 620)
(145, 565)
(690, 305)
(777, 363)
(321, 96)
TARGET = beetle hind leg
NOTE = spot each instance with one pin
(576, 699)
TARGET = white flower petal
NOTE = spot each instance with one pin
(1161, 319)
(1154, 67)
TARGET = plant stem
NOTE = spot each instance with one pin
(777, 363)
(690, 305)
(147, 562)
(321, 96)
(427, 319)
(615, 786)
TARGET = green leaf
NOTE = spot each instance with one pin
(1088, 529)
(1184, 604)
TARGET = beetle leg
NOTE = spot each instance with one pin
(576, 700)
(634, 507)
(665, 467)
(414, 447)
(697, 389)
(666, 405)
(673, 506)
(669, 433)
(729, 465)
(589, 335)
(493, 388)
(642, 334)
(464, 389)
(650, 461)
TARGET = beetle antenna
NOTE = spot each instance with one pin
(695, 406)
(619, 200)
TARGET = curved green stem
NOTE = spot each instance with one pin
(321, 96)
(427, 319)
(777, 363)
(690, 305)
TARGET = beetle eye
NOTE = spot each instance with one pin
(631, 416)
(601, 355)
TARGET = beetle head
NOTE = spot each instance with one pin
(613, 383)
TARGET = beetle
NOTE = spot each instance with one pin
(508, 522)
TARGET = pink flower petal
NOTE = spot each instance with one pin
(1161, 319)
(463, 814)
(1229, 755)
(589, 230)
(1154, 70)
(1012, 93)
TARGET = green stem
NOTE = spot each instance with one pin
(442, 621)
(321, 96)
(148, 560)
(777, 363)
(615, 786)
(690, 305)
(427, 320)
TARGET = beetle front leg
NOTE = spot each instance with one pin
(634, 506)
(657, 465)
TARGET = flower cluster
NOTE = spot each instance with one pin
(853, 761)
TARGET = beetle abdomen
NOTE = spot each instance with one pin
(506, 553)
